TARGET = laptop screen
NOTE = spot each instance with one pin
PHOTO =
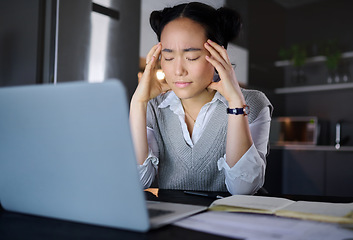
(66, 152)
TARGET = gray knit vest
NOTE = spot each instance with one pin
(195, 168)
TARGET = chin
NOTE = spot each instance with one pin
(182, 95)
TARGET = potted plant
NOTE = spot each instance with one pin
(298, 57)
(333, 57)
(297, 54)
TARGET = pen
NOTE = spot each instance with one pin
(203, 194)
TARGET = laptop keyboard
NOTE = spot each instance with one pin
(157, 212)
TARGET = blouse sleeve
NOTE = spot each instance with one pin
(149, 168)
(248, 174)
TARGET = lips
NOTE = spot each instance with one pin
(182, 84)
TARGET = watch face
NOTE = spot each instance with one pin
(246, 110)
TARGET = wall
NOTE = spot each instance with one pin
(241, 6)
(328, 19)
(266, 33)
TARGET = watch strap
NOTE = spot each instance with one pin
(235, 111)
(239, 111)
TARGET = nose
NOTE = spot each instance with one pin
(179, 68)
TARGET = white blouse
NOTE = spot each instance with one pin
(246, 176)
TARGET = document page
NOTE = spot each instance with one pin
(265, 227)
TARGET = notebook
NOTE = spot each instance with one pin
(66, 152)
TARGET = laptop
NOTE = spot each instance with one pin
(66, 152)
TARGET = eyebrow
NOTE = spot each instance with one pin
(184, 50)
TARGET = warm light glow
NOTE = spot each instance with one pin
(287, 121)
(160, 75)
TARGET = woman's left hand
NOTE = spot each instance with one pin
(228, 86)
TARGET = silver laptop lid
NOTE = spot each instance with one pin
(66, 152)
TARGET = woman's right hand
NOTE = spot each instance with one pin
(149, 86)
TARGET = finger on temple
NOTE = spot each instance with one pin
(152, 52)
(220, 49)
(215, 55)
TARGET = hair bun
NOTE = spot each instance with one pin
(155, 21)
(230, 23)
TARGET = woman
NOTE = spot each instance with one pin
(194, 130)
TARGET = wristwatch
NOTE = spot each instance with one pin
(245, 110)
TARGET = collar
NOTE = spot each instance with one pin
(174, 102)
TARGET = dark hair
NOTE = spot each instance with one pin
(221, 25)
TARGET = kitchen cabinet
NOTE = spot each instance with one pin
(321, 170)
(303, 172)
(339, 174)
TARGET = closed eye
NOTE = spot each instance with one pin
(168, 59)
(193, 59)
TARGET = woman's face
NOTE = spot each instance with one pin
(183, 61)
